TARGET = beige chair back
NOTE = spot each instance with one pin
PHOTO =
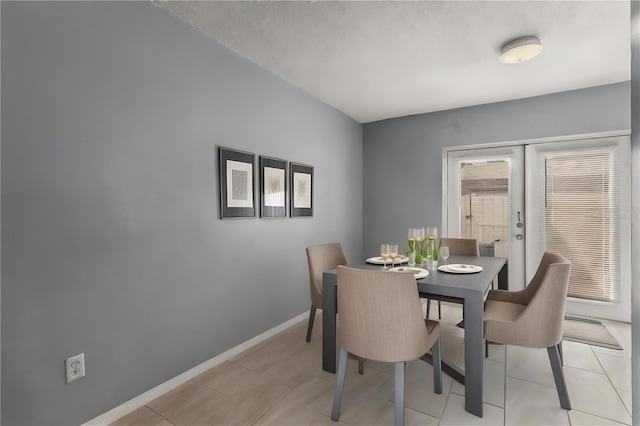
(321, 258)
(538, 310)
(381, 316)
(461, 246)
(534, 317)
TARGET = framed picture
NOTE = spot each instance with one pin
(236, 184)
(273, 187)
(301, 194)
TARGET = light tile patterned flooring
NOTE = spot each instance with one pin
(280, 382)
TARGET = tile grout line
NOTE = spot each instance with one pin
(160, 415)
(612, 385)
(259, 415)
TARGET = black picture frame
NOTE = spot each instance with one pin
(273, 187)
(237, 184)
(301, 193)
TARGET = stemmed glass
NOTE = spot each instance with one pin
(384, 254)
(444, 254)
(393, 253)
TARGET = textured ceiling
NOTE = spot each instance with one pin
(383, 59)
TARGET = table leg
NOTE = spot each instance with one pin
(329, 310)
(473, 353)
(448, 368)
(503, 277)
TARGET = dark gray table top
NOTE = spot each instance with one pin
(450, 284)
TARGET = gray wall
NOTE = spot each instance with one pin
(111, 242)
(635, 223)
(403, 156)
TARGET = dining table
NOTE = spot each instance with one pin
(469, 289)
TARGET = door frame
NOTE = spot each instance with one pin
(569, 138)
(515, 154)
(582, 307)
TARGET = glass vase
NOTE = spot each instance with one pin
(411, 242)
(431, 247)
(419, 246)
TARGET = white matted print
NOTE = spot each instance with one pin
(301, 194)
(273, 187)
(239, 184)
(274, 190)
(301, 190)
(237, 187)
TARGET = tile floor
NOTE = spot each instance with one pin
(280, 382)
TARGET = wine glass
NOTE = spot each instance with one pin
(444, 254)
(393, 253)
(384, 254)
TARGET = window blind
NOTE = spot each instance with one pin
(581, 198)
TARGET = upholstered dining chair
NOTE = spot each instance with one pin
(321, 258)
(457, 247)
(534, 317)
(381, 319)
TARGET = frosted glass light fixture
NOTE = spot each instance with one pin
(520, 50)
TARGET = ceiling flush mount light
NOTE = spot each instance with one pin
(520, 50)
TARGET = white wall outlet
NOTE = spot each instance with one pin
(74, 367)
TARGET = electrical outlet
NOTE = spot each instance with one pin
(74, 367)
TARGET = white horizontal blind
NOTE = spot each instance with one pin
(581, 198)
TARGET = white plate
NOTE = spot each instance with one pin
(418, 272)
(378, 260)
(458, 268)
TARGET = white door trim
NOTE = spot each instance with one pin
(624, 315)
(515, 156)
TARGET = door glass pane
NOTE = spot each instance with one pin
(485, 204)
(582, 196)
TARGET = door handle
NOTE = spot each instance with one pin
(519, 225)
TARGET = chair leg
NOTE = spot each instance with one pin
(337, 397)
(360, 365)
(312, 316)
(558, 376)
(439, 310)
(560, 351)
(486, 348)
(437, 367)
(399, 403)
(428, 308)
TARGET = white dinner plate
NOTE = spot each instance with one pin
(418, 272)
(458, 268)
(378, 260)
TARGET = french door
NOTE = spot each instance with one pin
(568, 197)
(485, 201)
(579, 205)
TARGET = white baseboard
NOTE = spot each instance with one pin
(141, 400)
